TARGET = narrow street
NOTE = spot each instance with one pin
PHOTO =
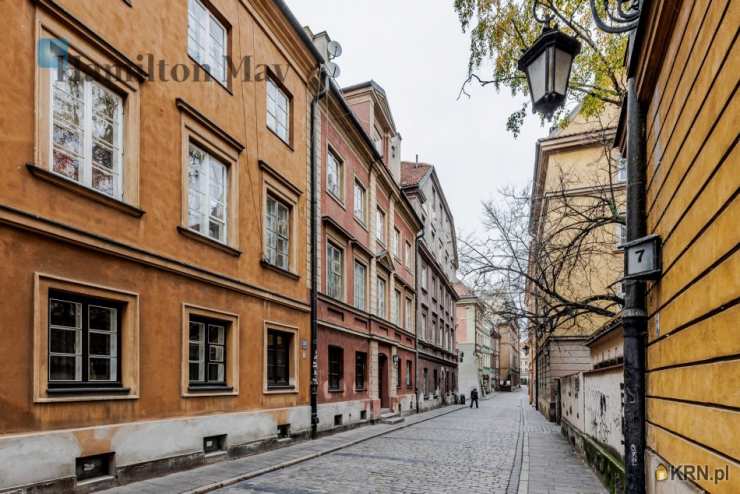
(468, 451)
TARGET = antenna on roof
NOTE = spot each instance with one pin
(417, 160)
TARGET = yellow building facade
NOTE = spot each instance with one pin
(684, 62)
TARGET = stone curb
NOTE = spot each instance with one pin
(311, 456)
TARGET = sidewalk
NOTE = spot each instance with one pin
(549, 464)
(207, 478)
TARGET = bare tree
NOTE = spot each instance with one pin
(550, 261)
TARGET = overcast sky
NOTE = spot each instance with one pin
(416, 50)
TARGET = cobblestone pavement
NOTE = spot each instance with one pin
(469, 451)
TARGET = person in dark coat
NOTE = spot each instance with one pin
(474, 398)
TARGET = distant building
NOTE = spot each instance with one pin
(436, 267)
(474, 343)
(509, 354)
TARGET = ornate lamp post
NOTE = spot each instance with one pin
(545, 64)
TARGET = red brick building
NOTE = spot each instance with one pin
(367, 343)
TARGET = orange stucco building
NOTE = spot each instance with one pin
(153, 231)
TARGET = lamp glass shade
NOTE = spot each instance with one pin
(547, 65)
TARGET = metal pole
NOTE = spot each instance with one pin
(416, 314)
(634, 314)
(314, 261)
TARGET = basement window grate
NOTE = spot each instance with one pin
(363, 415)
(214, 444)
(283, 431)
(95, 466)
(337, 420)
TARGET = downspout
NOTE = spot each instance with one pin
(634, 315)
(416, 312)
(323, 85)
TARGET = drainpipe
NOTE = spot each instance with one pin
(416, 311)
(634, 315)
(324, 84)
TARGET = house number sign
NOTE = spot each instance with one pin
(642, 258)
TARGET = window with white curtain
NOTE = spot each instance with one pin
(360, 284)
(335, 271)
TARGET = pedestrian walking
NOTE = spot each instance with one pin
(474, 398)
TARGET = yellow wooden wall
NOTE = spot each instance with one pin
(693, 356)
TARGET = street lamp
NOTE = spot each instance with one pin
(547, 64)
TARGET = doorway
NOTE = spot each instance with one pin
(383, 380)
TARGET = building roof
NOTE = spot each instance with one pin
(463, 291)
(412, 173)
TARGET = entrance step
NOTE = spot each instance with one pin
(388, 416)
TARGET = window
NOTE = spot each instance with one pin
(207, 40)
(360, 282)
(409, 314)
(426, 381)
(409, 371)
(621, 170)
(380, 225)
(360, 370)
(278, 110)
(396, 307)
(434, 286)
(398, 372)
(207, 352)
(207, 183)
(381, 306)
(334, 175)
(277, 233)
(423, 275)
(622, 234)
(360, 206)
(279, 354)
(423, 328)
(87, 132)
(335, 368)
(396, 242)
(84, 341)
(377, 140)
(335, 271)
(407, 255)
(434, 330)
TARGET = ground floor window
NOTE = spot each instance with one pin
(279, 345)
(207, 351)
(360, 370)
(398, 372)
(84, 341)
(409, 371)
(335, 368)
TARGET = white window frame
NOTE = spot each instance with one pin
(380, 303)
(395, 242)
(360, 286)
(278, 120)
(207, 40)
(380, 217)
(86, 131)
(275, 234)
(360, 209)
(334, 272)
(407, 254)
(205, 191)
(377, 140)
(621, 175)
(333, 159)
(396, 307)
(423, 275)
(409, 313)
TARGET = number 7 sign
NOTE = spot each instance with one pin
(642, 258)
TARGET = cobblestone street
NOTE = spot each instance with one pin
(468, 451)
